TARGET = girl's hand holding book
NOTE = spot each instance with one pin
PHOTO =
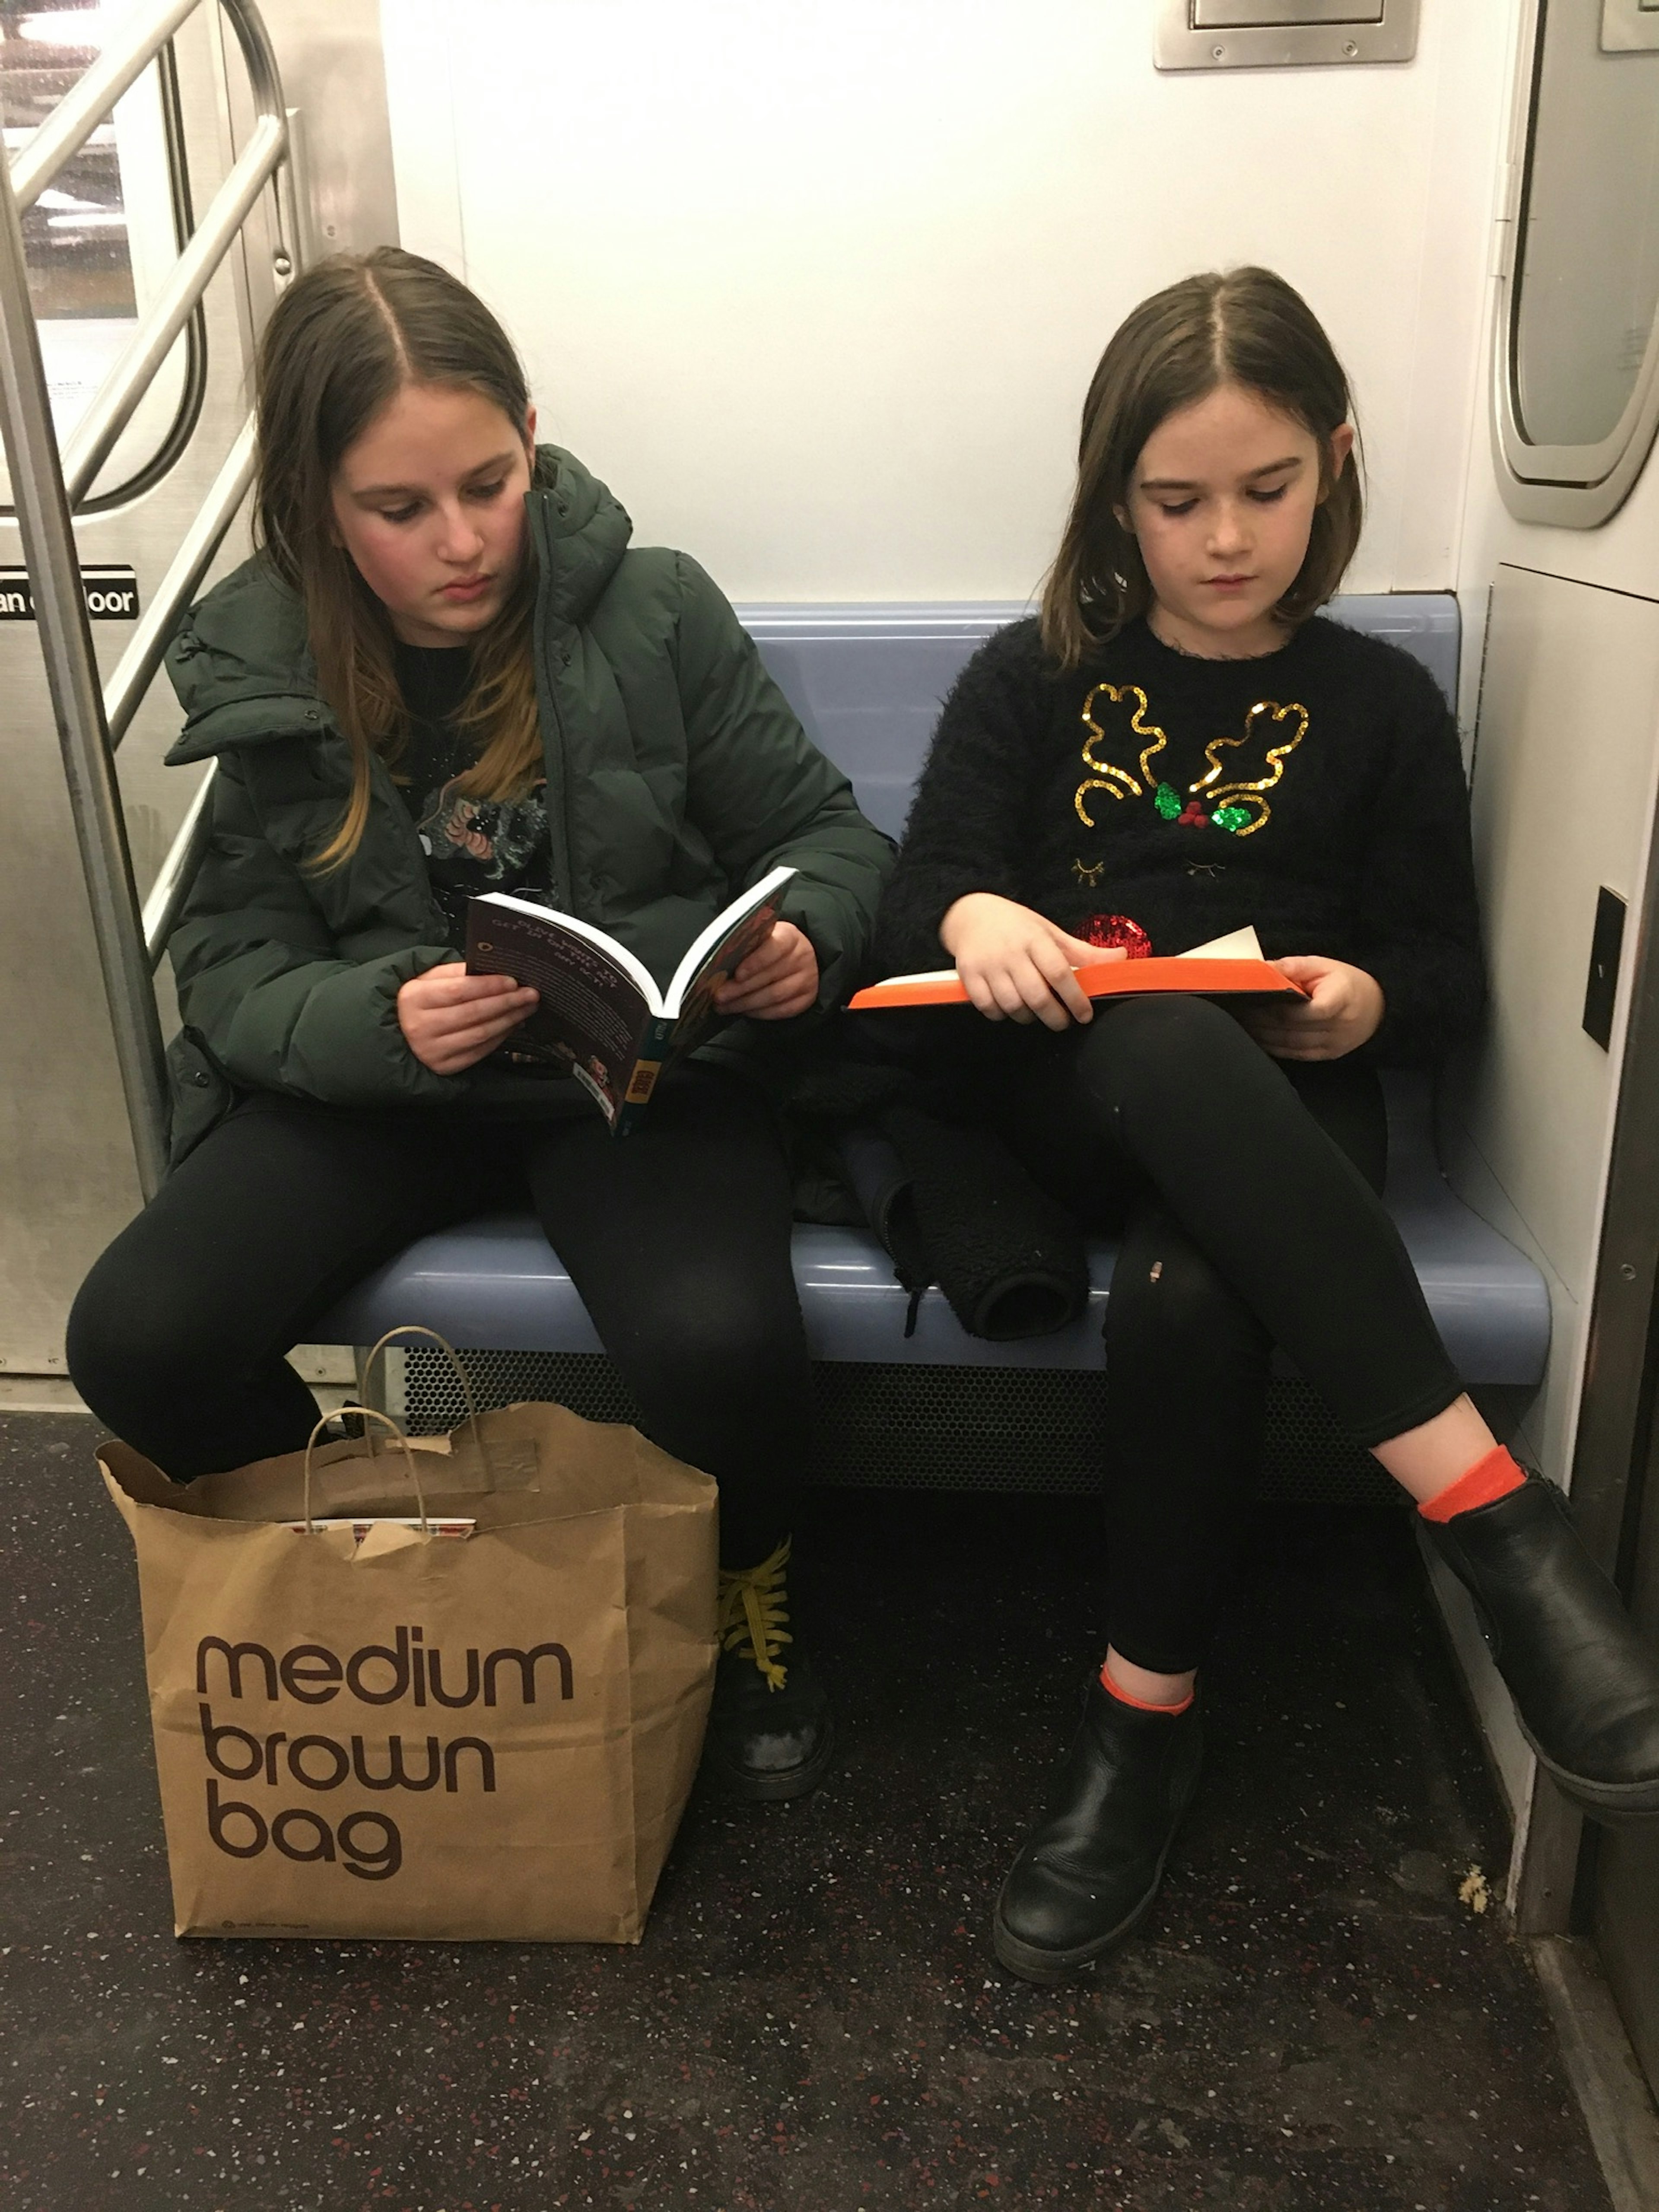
(1015, 964)
(452, 1020)
(1342, 1011)
(779, 978)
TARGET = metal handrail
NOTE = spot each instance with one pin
(190, 276)
(136, 669)
(177, 871)
(80, 111)
(46, 484)
(138, 665)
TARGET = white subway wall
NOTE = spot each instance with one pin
(818, 288)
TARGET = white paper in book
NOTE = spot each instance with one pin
(1237, 945)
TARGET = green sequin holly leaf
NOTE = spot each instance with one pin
(1230, 818)
(1167, 800)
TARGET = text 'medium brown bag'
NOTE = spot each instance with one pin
(465, 1701)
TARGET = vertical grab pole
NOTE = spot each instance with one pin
(49, 549)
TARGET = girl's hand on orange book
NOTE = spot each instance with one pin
(1341, 1011)
(1016, 965)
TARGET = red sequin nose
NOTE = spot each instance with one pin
(1115, 933)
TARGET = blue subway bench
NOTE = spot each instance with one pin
(866, 683)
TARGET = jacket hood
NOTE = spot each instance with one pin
(581, 530)
(241, 662)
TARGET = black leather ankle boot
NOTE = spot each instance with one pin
(1090, 1868)
(770, 1731)
(1585, 1685)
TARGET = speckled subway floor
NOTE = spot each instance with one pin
(1312, 2021)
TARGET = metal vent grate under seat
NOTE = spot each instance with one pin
(924, 1428)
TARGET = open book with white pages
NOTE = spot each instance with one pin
(602, 1016)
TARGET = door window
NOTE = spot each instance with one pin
(101, 237)
(1578, 367)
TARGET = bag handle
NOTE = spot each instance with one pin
(365, 1413)
(415, 1329)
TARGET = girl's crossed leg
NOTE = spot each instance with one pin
(1246, 1225)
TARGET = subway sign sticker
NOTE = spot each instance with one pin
(111, 593)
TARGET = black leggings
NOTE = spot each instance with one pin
(1245, 1191)
(678, 1238)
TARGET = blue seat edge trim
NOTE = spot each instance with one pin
(496, 1284)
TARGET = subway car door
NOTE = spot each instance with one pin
(101, 241)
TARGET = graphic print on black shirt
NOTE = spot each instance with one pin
(472, 845)
(475, 845)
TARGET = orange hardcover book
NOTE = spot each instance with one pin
(1208, 971)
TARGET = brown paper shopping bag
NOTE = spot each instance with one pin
(472, 1710)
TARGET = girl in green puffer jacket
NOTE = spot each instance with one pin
(447, 673)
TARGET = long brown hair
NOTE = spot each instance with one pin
(344, 339)
(1248, 327)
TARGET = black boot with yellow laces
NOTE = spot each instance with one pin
(770, 1733)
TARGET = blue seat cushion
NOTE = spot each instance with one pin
(496, 1284)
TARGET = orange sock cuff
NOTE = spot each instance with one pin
(1486, 1482)
(1141, 1704)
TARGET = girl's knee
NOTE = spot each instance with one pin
(1169, 1304)
(1167, 1055)
(124, 1336)
(1179, 1286)
(1169, 1025)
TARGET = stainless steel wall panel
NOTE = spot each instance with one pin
(66, 1181)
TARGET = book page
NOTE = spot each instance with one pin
(550, 926)
(593, 1010)
(717, 953)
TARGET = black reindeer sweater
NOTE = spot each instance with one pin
(1317, 792)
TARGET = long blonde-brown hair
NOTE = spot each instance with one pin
(343, 340)
(1248, 327)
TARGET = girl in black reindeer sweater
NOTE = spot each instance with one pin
(1180, 746)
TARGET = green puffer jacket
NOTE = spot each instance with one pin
(677, 776)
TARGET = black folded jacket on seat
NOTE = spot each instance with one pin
(953, 1206)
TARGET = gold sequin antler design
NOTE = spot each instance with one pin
(1240, 806)
(1107, 775)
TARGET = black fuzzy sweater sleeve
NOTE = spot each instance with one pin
(969, 823)
(1417, 922)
